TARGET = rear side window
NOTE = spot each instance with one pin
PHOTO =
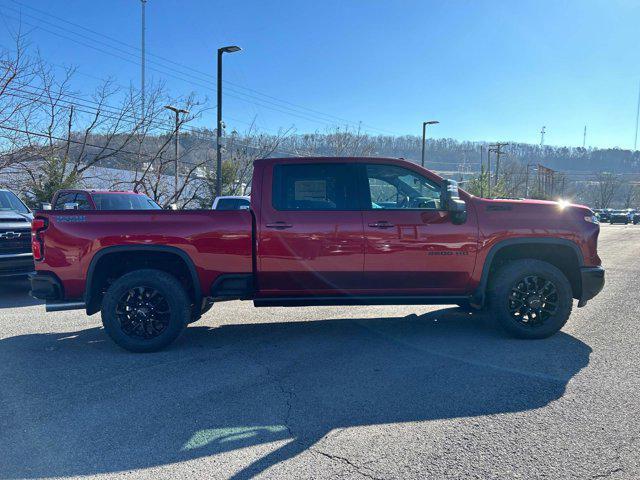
(231, 203)
(82, 199)
(65, 197)
(325, 186)
(123, 201)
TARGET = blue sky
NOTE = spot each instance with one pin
(487, 70)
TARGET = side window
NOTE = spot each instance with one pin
(63, 198)
(393, 187)
(83, 201)
(326, 186)
(225, 204)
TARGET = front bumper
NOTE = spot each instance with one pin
(16, 264)
(592, 283)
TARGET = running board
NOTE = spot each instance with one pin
(60, 306)
(359, 300)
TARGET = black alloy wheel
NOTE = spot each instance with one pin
(533, 300)
(143, 312)
(530, 298)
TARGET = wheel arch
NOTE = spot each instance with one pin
(93, 297)
(526, 247)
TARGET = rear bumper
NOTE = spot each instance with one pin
(592, 283)
(16, 264)
(49, 288)
(45, 287)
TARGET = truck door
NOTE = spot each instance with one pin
(411, 245)
(310, 232)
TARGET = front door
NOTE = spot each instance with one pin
(411, 245)
(310, 233)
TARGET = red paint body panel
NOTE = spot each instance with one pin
(323, 252)
(216, 241)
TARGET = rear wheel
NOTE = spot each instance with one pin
(530, 298)
(145, 310)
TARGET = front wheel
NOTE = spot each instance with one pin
(530, 298)
(145, 310)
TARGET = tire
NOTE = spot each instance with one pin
(145, 310)
(513, 292)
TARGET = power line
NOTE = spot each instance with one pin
(119, 150)
(313, 116)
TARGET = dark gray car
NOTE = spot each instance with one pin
(16, 258)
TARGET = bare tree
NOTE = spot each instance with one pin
(606, 185)
(630, 194)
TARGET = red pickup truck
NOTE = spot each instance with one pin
(321, 231)
(74, 199)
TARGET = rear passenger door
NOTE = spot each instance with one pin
(310, 231)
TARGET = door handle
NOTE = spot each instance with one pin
(279, 225)
(382, 225)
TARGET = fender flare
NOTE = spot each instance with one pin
(480, 293)
(140, 248)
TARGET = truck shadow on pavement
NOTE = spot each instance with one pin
(15, 293)
(74, 404)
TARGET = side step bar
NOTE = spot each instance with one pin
(60, 306)
(359, 300)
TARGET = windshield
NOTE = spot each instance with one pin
(9, 201)
(123, 201)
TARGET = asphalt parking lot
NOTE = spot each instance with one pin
(332, 392)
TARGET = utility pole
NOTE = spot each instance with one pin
(219, 124)
(497, 148)
(635, 141)
(584, 137)
(143, 60)
(481, 171)
(542, 132)
(424, 136)
(177, 112)
(526, 181)
(489, 150)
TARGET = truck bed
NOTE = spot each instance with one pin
(216, 241)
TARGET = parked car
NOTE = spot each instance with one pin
(231, 203)
(101, 200)
(314, 237)
(620, 216)
(15, 236)
(604, 214)
(636, 217)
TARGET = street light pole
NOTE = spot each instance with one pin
(221, 51)
(424, 135)
(142, 60)
(177, 112)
